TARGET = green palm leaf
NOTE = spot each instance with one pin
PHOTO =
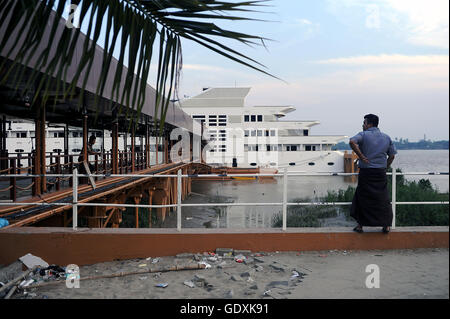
(131, 25)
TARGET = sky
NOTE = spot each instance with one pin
(340, 60)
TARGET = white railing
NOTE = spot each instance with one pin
(75, 204)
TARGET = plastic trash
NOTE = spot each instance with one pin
(239, 258)
(155, 260)
(205, 263)
(3, 222)
(26, 283)
(189, 283)
(294, 274)
(162, 285)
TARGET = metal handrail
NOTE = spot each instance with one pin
(179, 204)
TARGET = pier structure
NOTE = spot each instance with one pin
(85, 109)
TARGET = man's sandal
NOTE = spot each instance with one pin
(358, 229)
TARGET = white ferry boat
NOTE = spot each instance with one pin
(20, 139)
(243, 136)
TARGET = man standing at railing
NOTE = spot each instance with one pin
(371, 204)
(90, 151)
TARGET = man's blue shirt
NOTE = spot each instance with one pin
(376, 146)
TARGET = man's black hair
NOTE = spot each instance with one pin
(372, 119)
(92, 137)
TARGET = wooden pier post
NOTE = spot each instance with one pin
(115, 148)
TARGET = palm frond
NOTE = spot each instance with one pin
(132, 26)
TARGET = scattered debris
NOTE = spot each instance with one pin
(295, 274)
(239, 258)
(155, 260)
(26, 283)
(276, 268)
(3, 222)
(31, 261)
(224, 251)
(185, 255)
(205, 264)
(142, 265)
(162, 285)
(242, 252)
(213, 259)
(189, 283)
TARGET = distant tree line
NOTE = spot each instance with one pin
(405, 144)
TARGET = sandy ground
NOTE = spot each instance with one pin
(420, 273)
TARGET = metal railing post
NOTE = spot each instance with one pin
(284, 198)
(75, 199)
(179, 200)
(394, 196)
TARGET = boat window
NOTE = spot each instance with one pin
(292, 164)
(246, 133)
(305, 132)
(19, 150)
(311, 164)
(21, 134)
(253, 117)
(246, 118)
(307, 147)
(272, 132)
(259, 132)
(260, 118)
(253, 164)
(330, 163)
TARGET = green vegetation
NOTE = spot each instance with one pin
(407, 191)
(406, 215)
(304, 216)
